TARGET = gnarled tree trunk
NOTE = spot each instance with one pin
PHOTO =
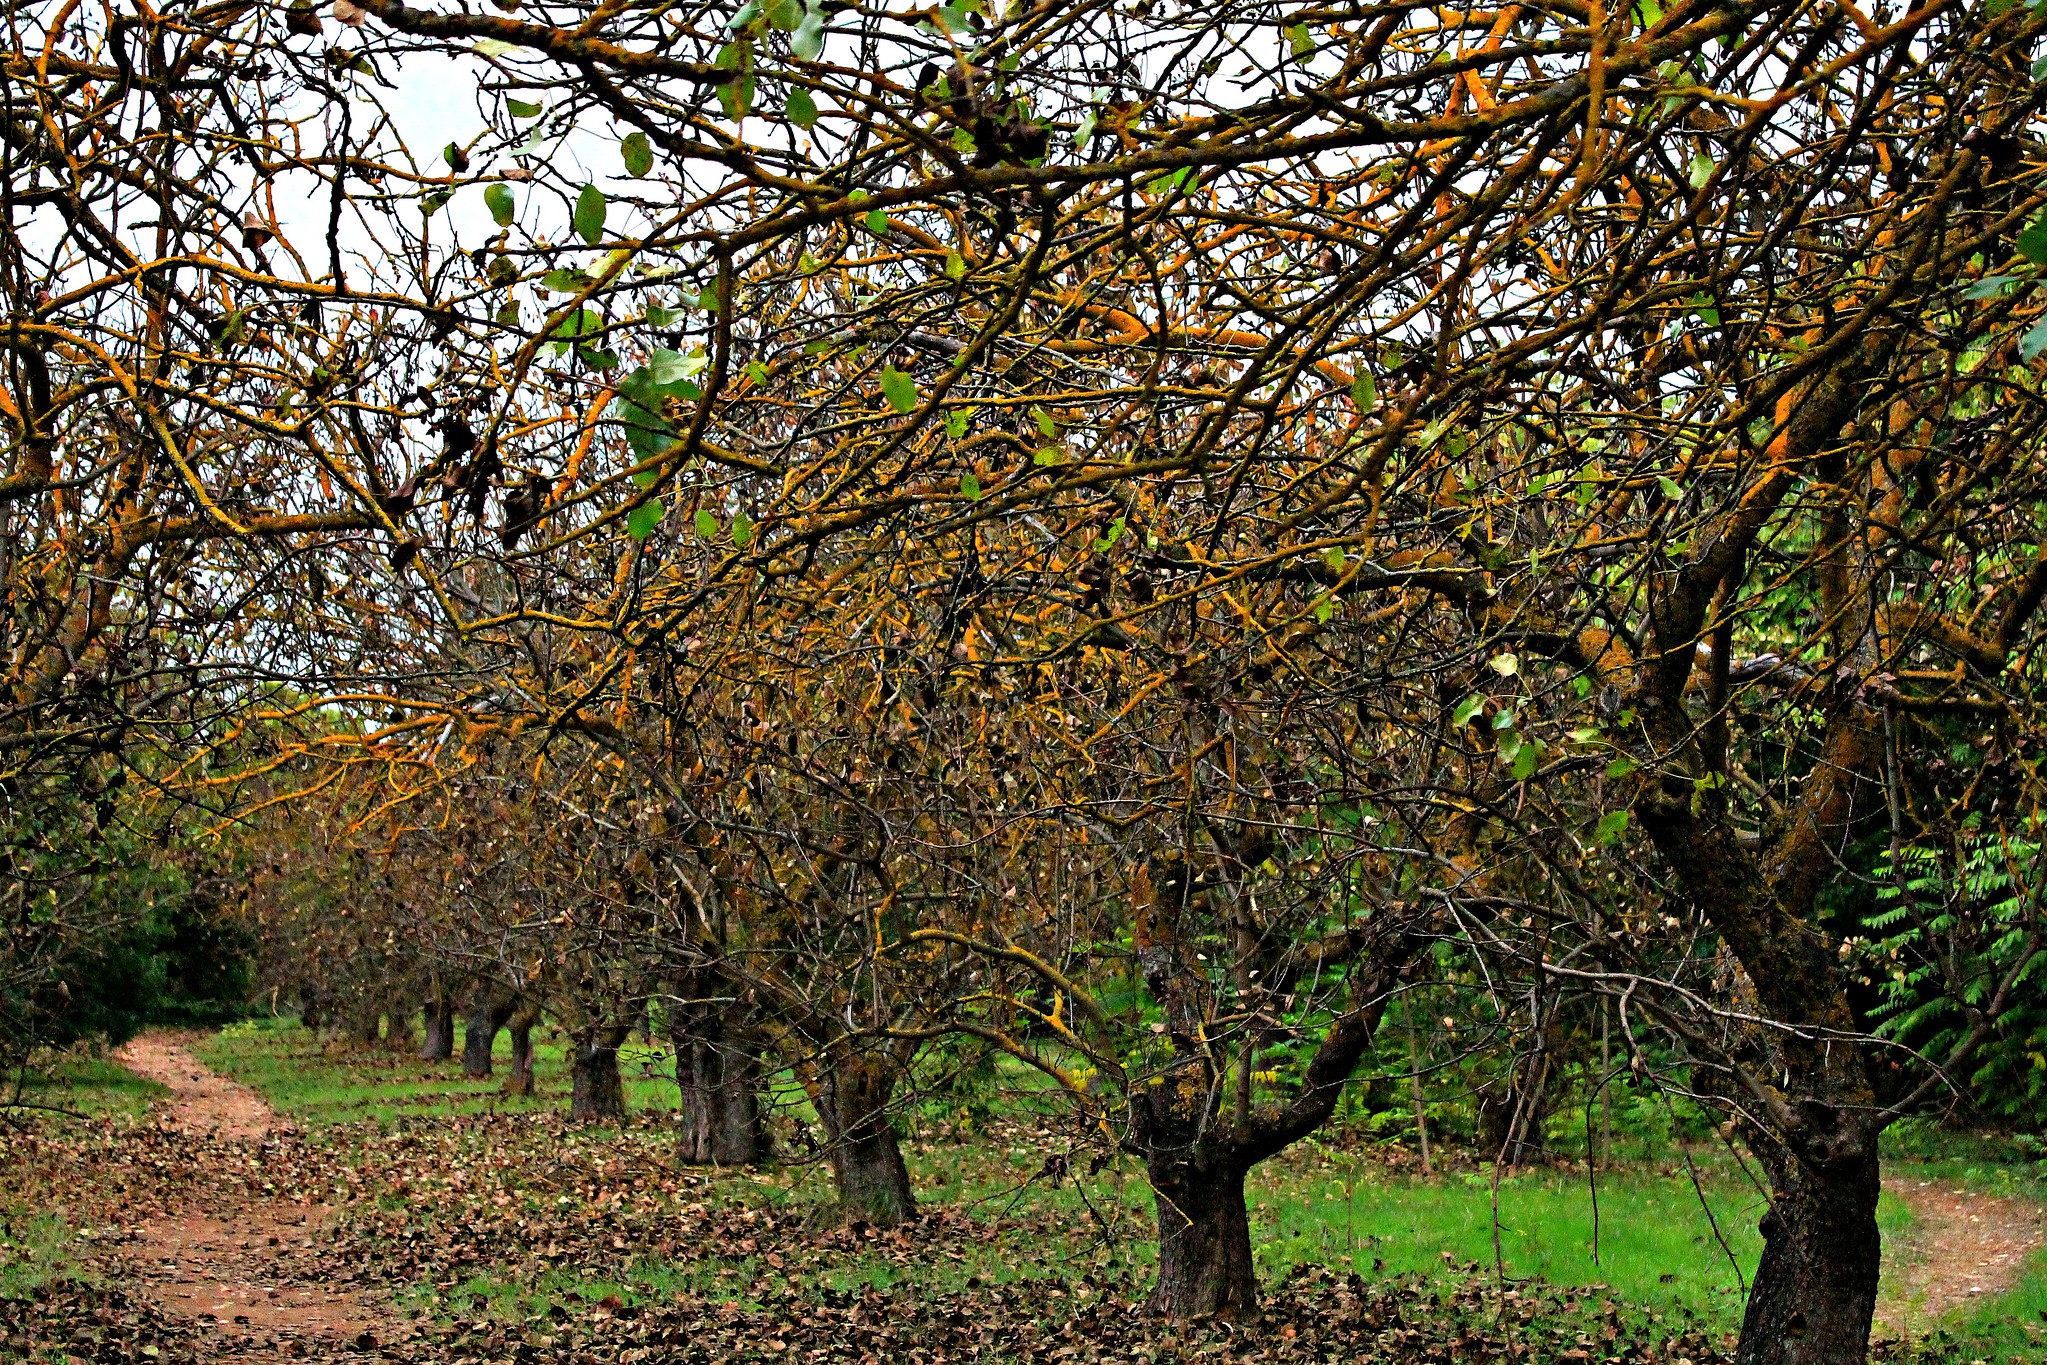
(439, 1043)
(1205, 1264)
(1815, 1287)
(867, 1163)
(717, 1069)
(398, 1016)
(488, 1011)
(520, 1080)
(596, 1091)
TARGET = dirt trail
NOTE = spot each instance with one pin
(1963, 1247)
(251, 1270)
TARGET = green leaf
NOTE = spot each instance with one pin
(1509, 744)
(641, 521)
(747, 13)
(1612, 826)
(757, 372)
(2032, 242)
(1298, 38)
(521, 109)
(432, 203)
(503, 207)
(589, 216)
(970, 485)
(955, 266)
(1171, 180)
(1084, 131)
(1462, 713)
(1332, 559)
(1989, 287)
(956, 422)
(508, 316)
(899, 389)
(736, 95)
(808, 43)
(706, 524)
(742, 529)
(1621, 767)
(2034, 341)
(877, 222)
(1046, 425)
(1364, 392)
(1668, 487)
(596, 359)
(492, 47)
(1050, 455)
(785, 15)
(1507, 665)
(800, 109)
(666, 367)
(963, 142)
(658, 316)
(639, 157)
(1701, 170)
(1324, 610)
(1525, 761)
(1114, 534)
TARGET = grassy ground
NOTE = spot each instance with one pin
(84, 1083)
(470, 1202)
(317, 1083)
(1657, 1243)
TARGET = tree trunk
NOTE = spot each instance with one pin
(596, 1091)
(867, 1163)
(488, 1013)
(1205, 1265)
(717, 1069)
(363, 1025)
(1815, 1287)
(520, 1081)
(439, 1044)
(398, 1035)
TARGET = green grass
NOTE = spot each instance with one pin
(1657, 1248)
(317, 1082)
(35, 1249)
(83, 1083)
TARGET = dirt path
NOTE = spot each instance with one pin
(252, 1271)
(1963, 1247)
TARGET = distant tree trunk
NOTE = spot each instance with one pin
(399, 1013)
(362, 1023)
(1205, 1265)
(596, 1090)
(489, 1009)
(520, 1025)
(717, 1069)
(316, 1008)
(852, 1101)
(439, 1044)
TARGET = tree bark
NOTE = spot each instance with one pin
(867, 1162)
(717, 1069)
(1205, 1266)
(1815, 1288)
(398, 1016)
(520, 1025)
(439, 1043)
(596, 1091)
(488, 1012)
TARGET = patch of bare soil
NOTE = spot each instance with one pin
(202, 1101)
(251, 1271)
(1963, 1247)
